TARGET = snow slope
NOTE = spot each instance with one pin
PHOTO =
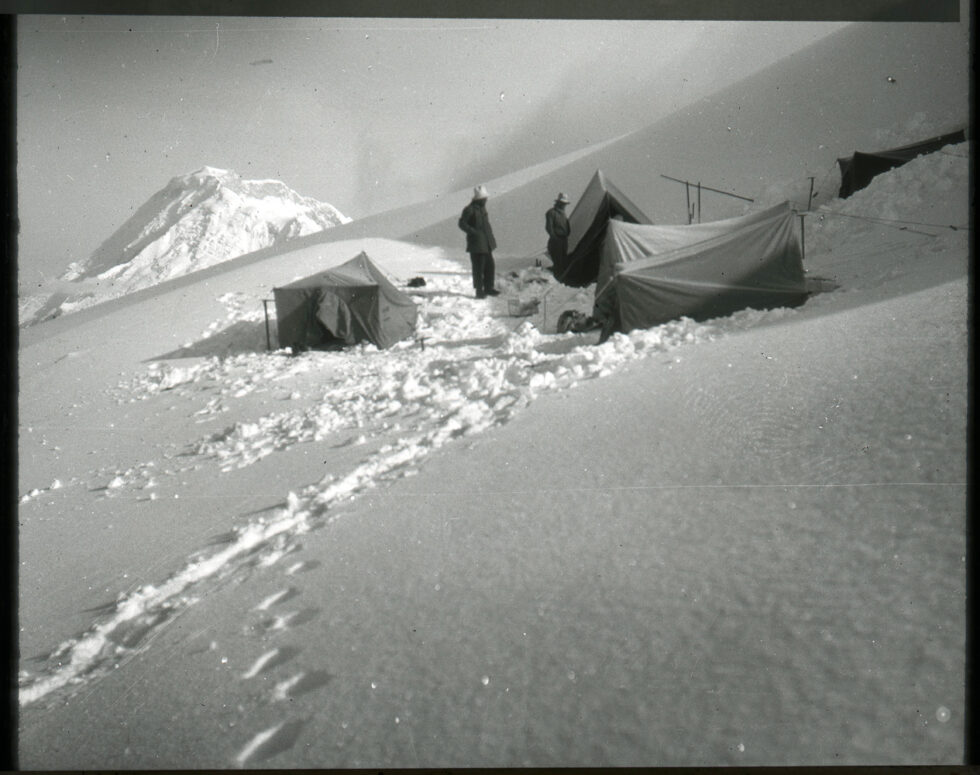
(842, 419)
(778, 127)
(731, 542)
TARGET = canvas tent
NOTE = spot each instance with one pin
(600, 202)
(350, 303)
(857, 171)
(652, 274)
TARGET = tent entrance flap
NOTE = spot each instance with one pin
(351, 303)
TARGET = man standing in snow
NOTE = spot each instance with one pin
(480, 243)
(556, 224)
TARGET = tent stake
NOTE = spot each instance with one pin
(809, 200)
(268, 340)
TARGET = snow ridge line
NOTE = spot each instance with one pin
(138, 615)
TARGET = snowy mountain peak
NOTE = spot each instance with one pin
(198, 220)
(212, 172)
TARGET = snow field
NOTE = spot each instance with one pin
(473, 369)
(424, 396)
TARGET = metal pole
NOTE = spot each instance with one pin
(699, 201)
(809, 201)
(268, 340)
(802, 235)
(687, 189)
(709, 188)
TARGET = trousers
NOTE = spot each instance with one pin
(483, 271)
(558, 252)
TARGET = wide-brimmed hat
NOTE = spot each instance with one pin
(480, 192)
(563, 199)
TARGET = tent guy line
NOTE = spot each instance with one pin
(886, 221)
(644, 487)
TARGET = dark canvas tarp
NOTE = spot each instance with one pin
(857, 171)
(350, 303)
(600, 202)
(701, 271)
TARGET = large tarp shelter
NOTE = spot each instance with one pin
(654, 274)
(350, 303)
(856, 171)
(600, 202)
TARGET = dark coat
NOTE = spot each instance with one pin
(476, 223)
(556, 223)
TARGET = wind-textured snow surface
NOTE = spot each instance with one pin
(351, 424)
(467, 370)
(197, 220)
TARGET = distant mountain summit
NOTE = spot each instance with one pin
(198, 220)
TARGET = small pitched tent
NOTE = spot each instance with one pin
(857, 171)
(653, 274)
(600, 202)
(350, 303)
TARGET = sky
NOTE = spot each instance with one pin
(366, 114)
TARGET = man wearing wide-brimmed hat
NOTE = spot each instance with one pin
(556, 224)
(480, 243)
